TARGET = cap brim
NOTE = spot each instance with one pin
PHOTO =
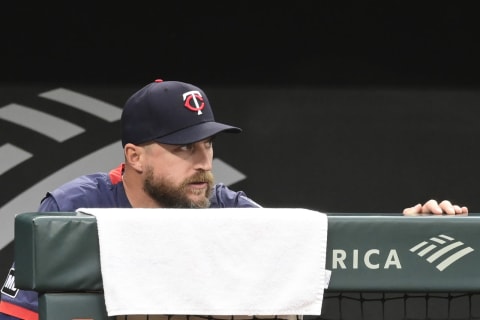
(197, 132)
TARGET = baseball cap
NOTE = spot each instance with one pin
(169, 112)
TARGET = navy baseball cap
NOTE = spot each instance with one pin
(169, 112)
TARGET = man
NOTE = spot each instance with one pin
(168, 129)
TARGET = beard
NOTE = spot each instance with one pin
(169, 196)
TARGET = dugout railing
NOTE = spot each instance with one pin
(384, 266)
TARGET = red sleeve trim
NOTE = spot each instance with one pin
(17, 311)
(116, 174)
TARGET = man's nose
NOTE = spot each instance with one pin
(203, 159)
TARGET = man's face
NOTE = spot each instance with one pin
(179, 176)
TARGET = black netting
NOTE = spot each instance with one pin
(399, 306)
(373, 306)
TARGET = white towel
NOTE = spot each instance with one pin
(239, 261)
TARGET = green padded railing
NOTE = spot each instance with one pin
(60, 252)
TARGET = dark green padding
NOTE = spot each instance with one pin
(60, 252)
(62, 306)
(382, 253)
(57, 252)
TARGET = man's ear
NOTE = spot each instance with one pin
(133, 156)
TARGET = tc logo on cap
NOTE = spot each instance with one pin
(194, 101)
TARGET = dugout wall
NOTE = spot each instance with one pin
(383, 257)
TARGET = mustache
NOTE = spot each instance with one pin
(203, 176)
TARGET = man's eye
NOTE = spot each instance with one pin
(186, 147)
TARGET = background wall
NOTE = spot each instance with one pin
(364, 108)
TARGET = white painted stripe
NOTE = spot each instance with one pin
(437, 240)
(427, 250)
(446, 237)
(418, 246)
(103, 159)
(453, 258)
(444, 250)
(85, 103)
(43, 123)
(11, 156)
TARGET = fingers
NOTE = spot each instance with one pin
(460, 210)
(448, 208)
(433, 207)
(412, 211)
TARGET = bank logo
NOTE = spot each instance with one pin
(441, 250)
(9, 288)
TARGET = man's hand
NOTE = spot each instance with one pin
(433, 207)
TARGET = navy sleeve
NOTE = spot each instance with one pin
(223, 197)
(6, 317)
(48, 204)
